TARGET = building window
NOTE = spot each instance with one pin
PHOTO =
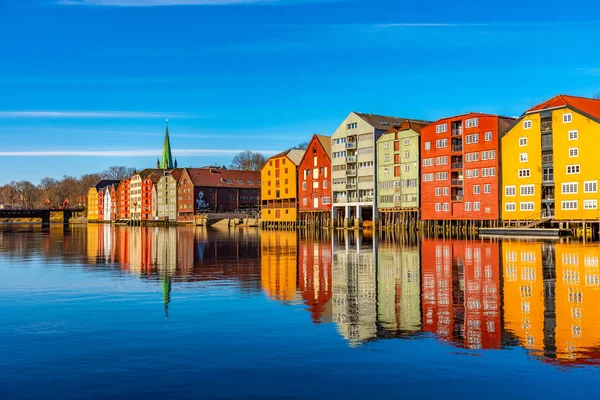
(427, 145)
(527, 190)
(445, 191)
(523, 157)
(487, 188)
(406, 142)
(441, 128)
(523, 141)
(573, 152)
(386, 158)
(468, 206)
(569, 205)
(438, 191)
(438, 207)
(524, 173)
(573, 135)
(488, 136)
(590, 204)
(472, 123)
(304, 201)
(567, 118)
(446, 206)
(406, 167)
(407, 154)
(590, 186)
(325, 185)
(476, 206)
(572, 169)
(476, 189)
(526, 124)
(527, 206)
(510, 191)
(510, 206)
(570, 188)
(303, 185)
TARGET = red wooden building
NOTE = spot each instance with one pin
(461, 292)
(150, 178)
(460, 174)
(101, 193)
(216, 190)
(314, 182)
(123, 199)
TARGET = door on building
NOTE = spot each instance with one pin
(316, 202)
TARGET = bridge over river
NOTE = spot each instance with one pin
(39, 213)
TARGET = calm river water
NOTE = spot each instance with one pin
(117, 312)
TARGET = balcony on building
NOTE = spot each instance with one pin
(546, 126)
(365, 198)
(548, 176)
(457, 145)
(351, 159)
(548, 194)
(457, 162)
(457, 194)
(457, 129)
(456, 178)
(548, 158)
(351, 172)
(546, 141)
(351, 145)
(350, 186)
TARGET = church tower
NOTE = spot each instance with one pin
(167, 158)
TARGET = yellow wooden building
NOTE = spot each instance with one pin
(92, 204)
(549, 162)
(279, 188)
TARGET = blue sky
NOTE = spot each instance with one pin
(87, 84)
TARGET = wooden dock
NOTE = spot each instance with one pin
(525, 232)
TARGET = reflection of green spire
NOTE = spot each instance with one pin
(166, 283)
(167, 159)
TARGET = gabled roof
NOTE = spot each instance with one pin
(326, 143)
(105, 182)
(217, 177)
(410, 125)
(383, 123)
(587, 106)
(295, 155)
(176, 173)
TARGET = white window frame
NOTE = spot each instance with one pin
(513, 191)
(569, 188)
(522, 141)
(438, 207)
(590, 187)
(468, 206)
(574, 134)
(573, 152)
(438, 191)
(446, 207)
(567, 205)
(428, 145)
(523, 157)
(477, 206)
(527, 190)
(572, 167)
(476, 189)
(567, 118)
(526, 173)
(590, 204)
(524, 206)
(527, 124)
(487, 188)
(509, 207)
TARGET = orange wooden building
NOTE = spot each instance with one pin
(314, 182)
(314, 277)
(461, 292)
(123, 200)
(460, 173)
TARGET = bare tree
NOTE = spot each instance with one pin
(118, 172)
(301, 146)
(27, 192)
(248, 161)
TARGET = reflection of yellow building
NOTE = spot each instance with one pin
(399, 288)
(354, 289)
(92, 242)
(577, 300)
(524, 292)
(279, 257)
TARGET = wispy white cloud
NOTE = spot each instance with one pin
(124, 153)
(160, 3)
(93, 114)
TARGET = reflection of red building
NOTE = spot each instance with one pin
(314, 278)
(461, 292)
(122, 248)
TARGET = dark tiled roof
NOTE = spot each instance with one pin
(106, 182)
(213, 177)
(384, 123)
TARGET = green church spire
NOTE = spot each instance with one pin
(167, 159)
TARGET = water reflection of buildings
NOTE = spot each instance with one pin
(279, 255)
(398, 289)
(354, 286)
(551, 298)
(461, 292)
(314, 277)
